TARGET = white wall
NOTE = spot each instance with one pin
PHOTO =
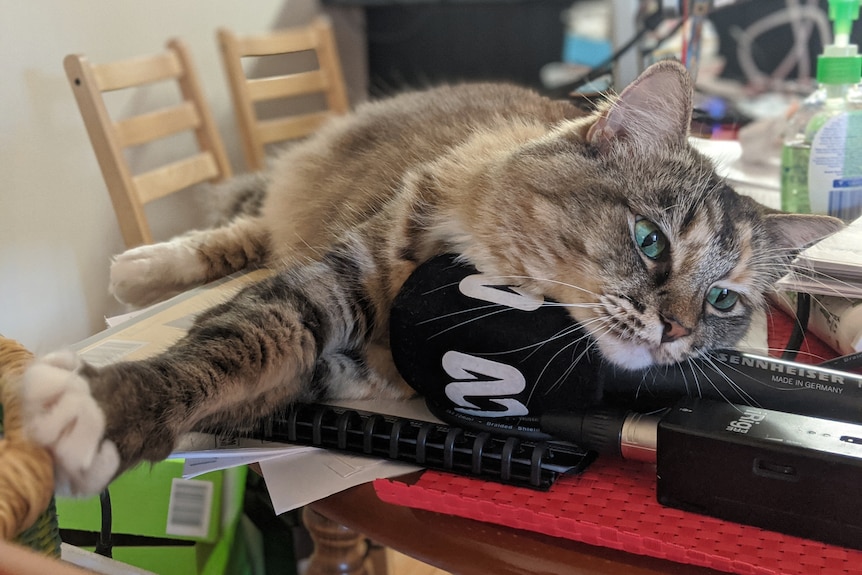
(57, 228)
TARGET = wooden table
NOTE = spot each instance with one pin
(455, 544)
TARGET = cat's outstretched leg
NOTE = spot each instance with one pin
(147, 274)
(301, 335)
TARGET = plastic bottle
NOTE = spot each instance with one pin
(821, 161)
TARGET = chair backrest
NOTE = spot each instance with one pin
(130, 192)
(327, 79)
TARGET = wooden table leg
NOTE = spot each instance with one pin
(338, 550)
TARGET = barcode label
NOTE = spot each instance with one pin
(189, 508)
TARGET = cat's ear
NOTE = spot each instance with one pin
(796, 231)
(654, 109)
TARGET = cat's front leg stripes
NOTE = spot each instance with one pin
(298, 335)
(61, 414)
(99, 421)
(263, 343)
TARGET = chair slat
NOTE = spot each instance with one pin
(175, 176)
(290, 128)
(155, 125)
(137, 71)
(327, 80)
(287, 86)
(279, 42)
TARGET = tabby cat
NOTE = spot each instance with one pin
(612, 213)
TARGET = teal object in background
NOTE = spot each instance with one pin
(587, 51)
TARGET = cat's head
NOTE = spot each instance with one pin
(659, 259)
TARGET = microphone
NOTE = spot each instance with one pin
(488, 356)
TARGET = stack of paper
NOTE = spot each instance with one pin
(831, 267)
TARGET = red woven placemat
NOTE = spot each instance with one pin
(613, 504)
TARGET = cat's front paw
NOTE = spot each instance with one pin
(148, 274)
(60, 413)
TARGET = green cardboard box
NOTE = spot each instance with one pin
(168, 525)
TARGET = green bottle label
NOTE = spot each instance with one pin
(835, 167)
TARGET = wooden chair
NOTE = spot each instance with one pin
(246, 92)
(130, 192)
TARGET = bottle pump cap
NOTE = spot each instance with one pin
(840, 62)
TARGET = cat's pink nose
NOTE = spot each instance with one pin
(673, 330)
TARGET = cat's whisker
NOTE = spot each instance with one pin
(736, 386)
(652, 375)
(695, 384)
(644, 381)
(587, 335)
(587, 305)
(566, 372)
(573, 364)
(503, 309)
(602, 321)
(829, 283)
(696, 367)
(544, 280)
(440, 287)
(769, 350)
(499, 308)
(464, 311)
(575, 328)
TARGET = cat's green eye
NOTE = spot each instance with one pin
(650, 239)
(722, 298)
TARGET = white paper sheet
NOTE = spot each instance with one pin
(295, 481)
(296, 475)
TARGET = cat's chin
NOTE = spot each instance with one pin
(625, 355)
